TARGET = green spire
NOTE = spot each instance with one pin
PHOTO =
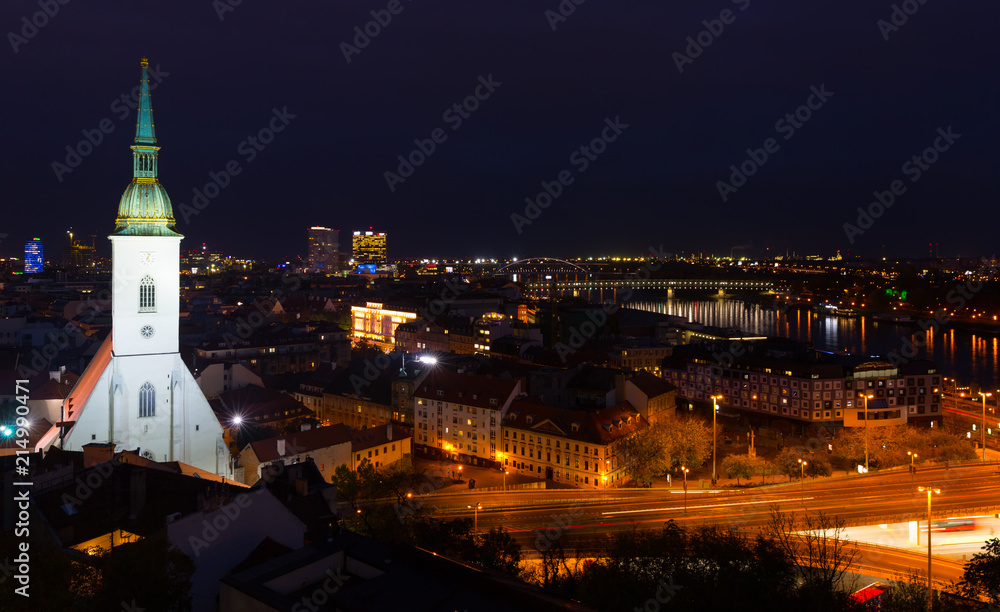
(145, 130)
(145, 208)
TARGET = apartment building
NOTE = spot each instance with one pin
(568, 446)
(459, 416)
(808, 386)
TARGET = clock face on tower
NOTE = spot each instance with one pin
(147, 258)
(147, 331)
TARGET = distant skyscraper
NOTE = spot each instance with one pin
(33, 256)
(324, 246)
(79, 256)
(369, 248)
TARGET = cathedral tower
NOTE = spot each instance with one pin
(137, 392)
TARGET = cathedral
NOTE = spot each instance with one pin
(137, 392)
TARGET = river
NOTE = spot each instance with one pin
(965, 355)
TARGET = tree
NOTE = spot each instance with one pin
(818, 466)
(981, 578)
(738, 466)
(687, 441)
(822, 555)
(763, 467)
(787, 461)
(645, 454)
(654, 450)
(498, 550)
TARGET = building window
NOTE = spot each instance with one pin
(147, 294)
(147, 400)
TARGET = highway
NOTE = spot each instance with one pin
(581, 520)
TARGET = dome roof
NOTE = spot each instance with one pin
(145, 205)
(145, 208)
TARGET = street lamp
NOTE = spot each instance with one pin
(715, 410)
(912, 469)
(983, 432)
(475, 516)
(930, 593)
(505, 472)
(867, 397)
(802, 479)
(685, 471)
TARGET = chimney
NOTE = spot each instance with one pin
(388, 431)
(281, 447)
(97, 452)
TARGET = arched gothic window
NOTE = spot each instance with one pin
(147, 400)
(147, 294)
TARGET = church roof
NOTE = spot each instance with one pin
(145, 208)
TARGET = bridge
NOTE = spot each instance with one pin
(723, 286)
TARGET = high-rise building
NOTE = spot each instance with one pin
(137, 392)
(324, 249)
(79, 256)
(33, 256)
(369, 248)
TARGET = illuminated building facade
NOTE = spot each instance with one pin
(324, 245)
(33, 256)
(824, 390)
(377, 325)
(460, 416)
(369, 248)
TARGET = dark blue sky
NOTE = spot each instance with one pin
(656, 183)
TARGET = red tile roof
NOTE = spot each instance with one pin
(602, 427)
(258, 405)
(444, 386)
(362, 439)
(652, 386)
(301, 442)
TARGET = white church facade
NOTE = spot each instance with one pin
(137, 392)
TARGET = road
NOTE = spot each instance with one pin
(582, 520)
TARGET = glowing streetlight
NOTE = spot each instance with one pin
(867, 397)
(475, 515)
(685, 471)
(802, 479)
(983, 432)
(715, 410)
(930, 593)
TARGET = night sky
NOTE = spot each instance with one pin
(655, 183)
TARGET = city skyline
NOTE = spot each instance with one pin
(662, 114)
